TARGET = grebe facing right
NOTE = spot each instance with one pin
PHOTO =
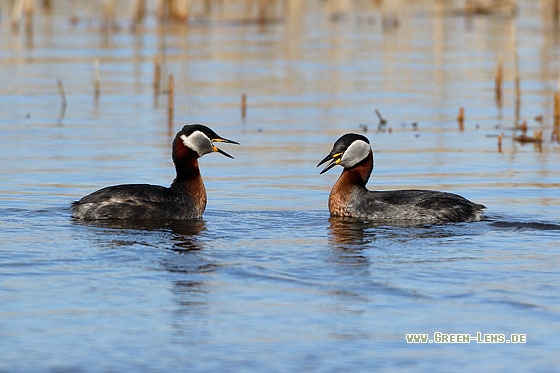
(185, 199)
(350, 197)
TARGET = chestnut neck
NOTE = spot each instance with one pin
(186, 166)
(351, 179)
(359, 174)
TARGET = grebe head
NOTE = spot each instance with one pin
(200, 139)
(347, 151)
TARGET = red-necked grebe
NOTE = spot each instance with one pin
(184, 199)
(349, 196)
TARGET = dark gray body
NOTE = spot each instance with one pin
(415, 206)
(136, 201)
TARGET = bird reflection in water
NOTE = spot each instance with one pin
(186, 235)
(345, 231)
(350, 237)
(184, 232)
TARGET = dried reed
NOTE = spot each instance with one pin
(498, 80)
(171, 100)
(139, 14)
(63, 97)
(243, 105)
(157, 76)
(556, 109)
(61, 92)
(96, 80)
(173, 10)
(382, 121)
(461, 118)
(500, 137)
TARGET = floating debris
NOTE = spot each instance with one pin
(381, 125)
(536, 138)
(382, 121)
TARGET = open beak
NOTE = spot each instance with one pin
(216, 149)
(334, 159)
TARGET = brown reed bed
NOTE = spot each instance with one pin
(138, 15)
(265, 11)
(20, 9)
(477, 7)
(173, 10)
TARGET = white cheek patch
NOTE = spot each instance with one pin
(198, 142)
(356, 152)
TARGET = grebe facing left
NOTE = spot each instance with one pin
(350, 197)
(184, 199)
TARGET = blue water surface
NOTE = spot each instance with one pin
(267, 281)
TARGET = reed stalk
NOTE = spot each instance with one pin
(461, 118)
(139, 14)
(555, 135)
(96, 80)
(500, 138)
(61, 92)
(157, 76)
(171, 100)
(556, 110)
(243, 105)
(498, 80)
(21, 8)
(63, 97)
(382, 121)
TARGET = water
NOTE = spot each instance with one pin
(267, 281)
